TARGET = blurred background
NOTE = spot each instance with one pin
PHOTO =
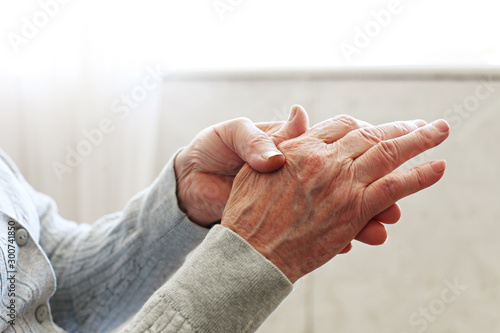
(96, 96)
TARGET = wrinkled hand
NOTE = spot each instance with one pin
(206, 168)
(335, 179)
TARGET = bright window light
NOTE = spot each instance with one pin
(248, 33)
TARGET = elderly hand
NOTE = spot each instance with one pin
(336, 178)
(206, 168)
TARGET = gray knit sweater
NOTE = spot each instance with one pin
(57, 275)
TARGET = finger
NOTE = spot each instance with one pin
(389, 216)
(346, 249)
(296, 125)
(251, 144)
(374, 233)
(384, 192)
(335, 128)
(270, 127)
(359, 141)
(387, 155)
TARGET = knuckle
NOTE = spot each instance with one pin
(428, 139)
(259, 138)
(372, 135)
(419, 177)
(241, 121)
(348, 121)
(391, 188)
(425, 135)
(408, 127)
(389, 150)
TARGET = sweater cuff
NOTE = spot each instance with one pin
(227, 286)
(160, 203)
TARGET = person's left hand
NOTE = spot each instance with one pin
(206, 168)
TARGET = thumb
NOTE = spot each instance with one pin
(256, 147)
(296, 125)
(251, 144)
(267, 156)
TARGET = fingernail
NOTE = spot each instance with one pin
(441, 125)
(268, 154)
(438, 166)
(293, 112)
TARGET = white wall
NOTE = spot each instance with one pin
(447, 232)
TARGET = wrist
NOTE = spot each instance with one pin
(180, 177)
(266, 250)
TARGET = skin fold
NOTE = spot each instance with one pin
(300, 195)
(335, 179)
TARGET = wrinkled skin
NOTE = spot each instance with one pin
(206, 168)
(336, 178)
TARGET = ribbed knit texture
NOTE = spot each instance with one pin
(225, 286)
(106, 271)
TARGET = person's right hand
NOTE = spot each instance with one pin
(335, 179)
